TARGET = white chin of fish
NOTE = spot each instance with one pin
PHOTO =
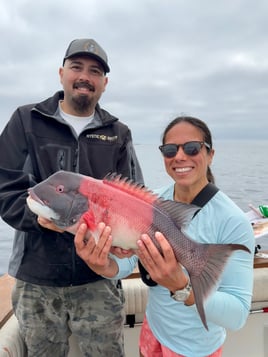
(40, 210)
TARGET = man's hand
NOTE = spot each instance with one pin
(48, 224)
(96, 255)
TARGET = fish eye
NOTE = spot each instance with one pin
(60, 188)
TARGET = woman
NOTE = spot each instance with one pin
(172, 326)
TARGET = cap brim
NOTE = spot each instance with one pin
(91, 55)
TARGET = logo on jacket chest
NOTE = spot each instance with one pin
(102, 137)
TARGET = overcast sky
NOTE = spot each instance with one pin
(206, 58)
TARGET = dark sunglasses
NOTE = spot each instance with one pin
(190, 148)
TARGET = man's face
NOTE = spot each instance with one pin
(83, 80)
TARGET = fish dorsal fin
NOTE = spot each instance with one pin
(181, 213)
(134, 189)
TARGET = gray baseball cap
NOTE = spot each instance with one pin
(87, 47)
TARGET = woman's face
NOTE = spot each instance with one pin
(188, 171)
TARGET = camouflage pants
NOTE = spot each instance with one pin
(49, 315)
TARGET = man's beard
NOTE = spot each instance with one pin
(82, 104)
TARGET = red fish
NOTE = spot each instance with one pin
(68, 198)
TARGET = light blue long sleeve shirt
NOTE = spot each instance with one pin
(178, 326)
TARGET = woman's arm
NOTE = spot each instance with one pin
(229, 305)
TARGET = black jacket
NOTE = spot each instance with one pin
(35, 143)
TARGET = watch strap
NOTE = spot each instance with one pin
(186, 290)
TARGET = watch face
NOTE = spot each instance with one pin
(181, 295)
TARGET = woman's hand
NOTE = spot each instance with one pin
(96, 255)
(163, 268)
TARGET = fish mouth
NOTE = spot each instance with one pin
(34, 197)
(43, 208)
(40, 208)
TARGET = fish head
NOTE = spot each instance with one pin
(58, 199)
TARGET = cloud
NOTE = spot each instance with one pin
(204, 58)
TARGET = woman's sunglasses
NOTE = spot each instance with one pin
(190, 148)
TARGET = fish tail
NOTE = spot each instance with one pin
(205, 280)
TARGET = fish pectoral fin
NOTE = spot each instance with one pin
(204, 281)
(89, 219)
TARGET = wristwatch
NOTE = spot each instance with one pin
(183, 294)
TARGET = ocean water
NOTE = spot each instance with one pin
(240, 169)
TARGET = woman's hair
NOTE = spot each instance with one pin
(202, 128)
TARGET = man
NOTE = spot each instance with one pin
(56, 293)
